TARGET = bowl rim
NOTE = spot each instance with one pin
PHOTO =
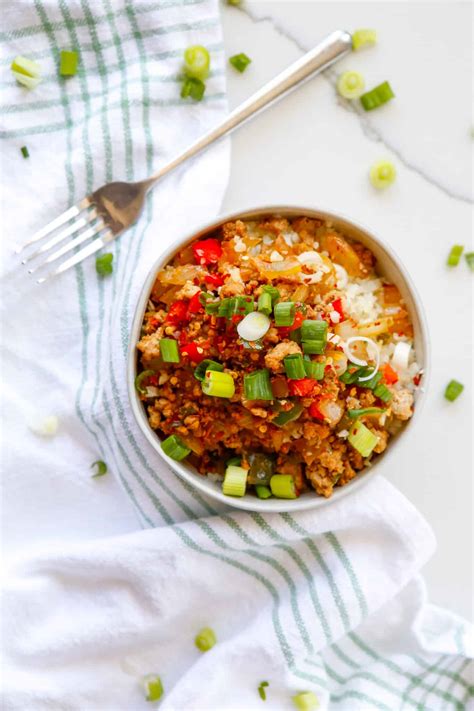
(203, 484)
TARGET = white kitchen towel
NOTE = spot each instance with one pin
(320, 601)
(329, 602)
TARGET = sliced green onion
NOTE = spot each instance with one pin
(68, 63)
(295, 335)
(372, 382)
(103, 264)
(377, 97)
(469, 257)
(100, 468)
(262, 468)
(175, 448)
(140, 378)
(212, 307)
(205, 639)
(194, 88)
(363, 38)
(314, 347)
(264, 304)
(153, 687)
(273, 291)
(381, 391)
(26, 72)
(218, 384)
(204, 365)
(257, 385)
(240, 62)
(197, 61)
(225, 308)
(350, 85)
(284, 313)
(235, 481)
(263, 684)
(314, 330)
(283, 486)
(354, 414)
(288, 416)
(254, 326)
(263, 492)
(169, 350)
(242, 305)
(24, 152)
(313, 369)
(234, 461)
(455, 255)
(453, 390)
(362, 439)
(306, 701)
(294, 366)
(234, 2)
(382, 174)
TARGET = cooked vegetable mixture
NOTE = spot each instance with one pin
(275, 359)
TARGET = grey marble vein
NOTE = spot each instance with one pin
(368, 129)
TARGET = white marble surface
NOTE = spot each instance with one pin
(311, 149)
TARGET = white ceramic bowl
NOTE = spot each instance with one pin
(388, 264)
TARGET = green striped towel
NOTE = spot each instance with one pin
(329, 601)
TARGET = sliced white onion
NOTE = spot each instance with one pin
(360, 361)
(46, 427)
(401, 356)
(341, 277)
(253, 326)
(276, 256)
(152, 391)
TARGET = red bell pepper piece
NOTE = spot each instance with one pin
(314, 411)
(337, 306)
(284, 331)
(207, 251)
(195, 306)
(214, 279)
(153, 380)
(389, 374)
(193, 351)
(302, 387)
(177, 313)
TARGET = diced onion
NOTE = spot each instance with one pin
(401, 356)
(361, 361)
(253, 326)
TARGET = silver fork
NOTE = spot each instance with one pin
(102, 216)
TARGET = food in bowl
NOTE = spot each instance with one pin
(274, 357)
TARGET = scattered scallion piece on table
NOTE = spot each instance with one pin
(25, 152)
(263, 684)
(362, 439)
(204, 365)
(306, 701)
(257, 385)
(169, 350)
(294, 366)
(363, 38)
(235, 481)
(354, 414)
(103, 264)
(218, 384)
(139, 380)
(284, 313)
(262, 491)
(175, 448)
(264, 304)
(153, 687)
(193, 88)
(205, 639)
(240, 62)
(382, 174)
(197, 62)
(68, 63)
(26, 72)
(377, 96)
(46, 427)
(455, 255)
(350, 85)
(100, 468)
(469, 257)
(453, 390)
(283, 486)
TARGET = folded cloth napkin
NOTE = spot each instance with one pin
(329, 602)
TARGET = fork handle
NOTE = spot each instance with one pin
(332, 48)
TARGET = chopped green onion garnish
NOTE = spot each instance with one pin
(455, 255)
(273, 291)
(100, 467)
(377, 97)
(263, 492)
(194, 88)
(26, 72)
(196, 62)
(234, 461)
(313, 369)
(453, 390)
(295, 335)
(153, 687)
(314, 330)
(218, 384)
(212, 307)
(205, 639)
(354, 414)
(350, 85)
(284, 313)
(352, 376)
(382, 174)
(469, 257)
(362, 439)
(140, 378)
(294, 366)
(103, 264)
(257, 385)
(381, 391)
(288, 416)
(264, 304)
(24, 152)
(175, 448)
(204, 365)
(234, 2)
(283, 486)
(235, 481)
(169, 350)
(314, 347)
(306, 701)
(363, 38)
(263, 684)
(240, 62)
(68, 63)
(241, 305)
(225, 308)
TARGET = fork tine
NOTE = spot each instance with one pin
(66, 232)
(68, 215)
(82, 254)
(82, 237)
